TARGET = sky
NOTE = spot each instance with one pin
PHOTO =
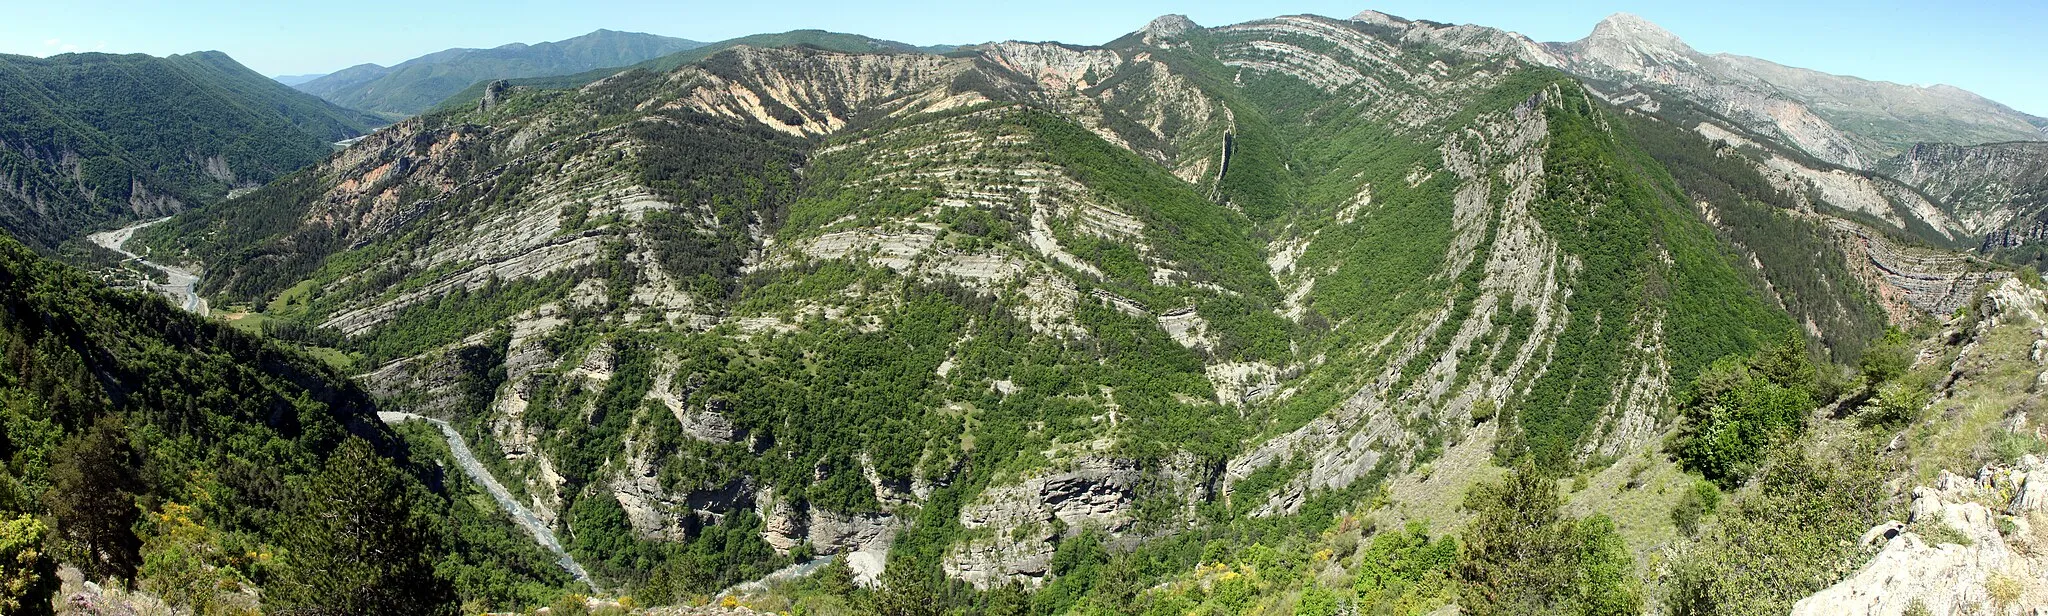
(1996, 48)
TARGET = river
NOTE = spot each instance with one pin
(470, 466)
(182, 288)
(183, 285)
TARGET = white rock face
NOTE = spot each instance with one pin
(1953, 577)
(650, 509)
(1016, 526)
(864, 538)
(1168, 27)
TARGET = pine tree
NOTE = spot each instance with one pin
(94, 482)
(1524, 556)
(906, 591)
(358, 544)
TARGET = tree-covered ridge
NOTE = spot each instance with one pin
(1179, 312)
(835, 41)
(419, 84)
(93, 138)
(204, 464)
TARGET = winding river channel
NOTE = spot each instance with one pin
(459, 447)
(182, 286)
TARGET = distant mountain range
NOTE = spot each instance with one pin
(821, 39)
(91, 138)
(1843, 120)
(416, 85)
(292, 80)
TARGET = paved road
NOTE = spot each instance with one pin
(476, 471)
(183, 285)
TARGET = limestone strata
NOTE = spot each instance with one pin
(1014, 527)
(1916, 280)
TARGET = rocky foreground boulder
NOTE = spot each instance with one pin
(1973, 545)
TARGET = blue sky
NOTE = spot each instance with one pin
(1994, 47)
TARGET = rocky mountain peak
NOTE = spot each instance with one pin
(1170, 26)
(1630, 28)
(1633, 46)
(1377, 18)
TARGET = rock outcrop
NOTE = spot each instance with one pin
(1912, 280)
(862, 538)
(1015, 527)
(1971, 546)
(1999, 190)
(1842, 120)
(1168, 27)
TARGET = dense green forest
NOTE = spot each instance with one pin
(95, 138)
(418, 84)
(157, 450)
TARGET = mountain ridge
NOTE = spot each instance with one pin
(417, 84)
(1347, 256)
(837, 41)
(98, 138)
(1830, 115)
(1297, 315)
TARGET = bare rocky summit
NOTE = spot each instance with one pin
(1842, 120)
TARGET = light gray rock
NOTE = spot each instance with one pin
(1168, 27)
(864, 538)
(1949, 578)
(1019, 523)
(2032, 484)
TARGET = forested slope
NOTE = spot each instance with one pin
(214, 469)
(94, 138)
(1229, 319)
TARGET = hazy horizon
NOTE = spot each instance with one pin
(1986, 47)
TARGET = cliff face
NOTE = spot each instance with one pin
(984, 302)
(1999, 190)
(1841, 120)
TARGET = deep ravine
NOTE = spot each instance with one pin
(459, 447)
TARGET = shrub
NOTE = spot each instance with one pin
(1523, 556)
(1897, 403)
(1738, 409)
(1698, 501)
(1483, 411)
(1405, 569)
(28, 573)
(1790, 537)
(1889, 359)
(1316, 601)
